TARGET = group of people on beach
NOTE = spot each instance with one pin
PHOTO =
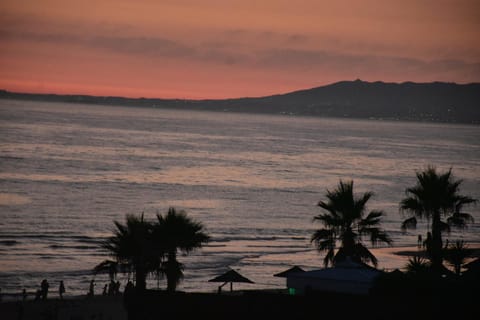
(42, 293)
(111, 289)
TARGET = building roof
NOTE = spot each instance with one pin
(343, 271)
(284, 274)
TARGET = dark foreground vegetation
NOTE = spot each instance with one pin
(445, 301)
(449, 302)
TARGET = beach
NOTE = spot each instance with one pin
(260, 304)
(71, 308)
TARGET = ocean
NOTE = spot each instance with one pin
(67, 171)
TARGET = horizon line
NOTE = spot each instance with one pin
(231, 98)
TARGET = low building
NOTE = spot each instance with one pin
(345, 277)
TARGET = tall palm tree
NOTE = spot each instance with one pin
(345, 220)
(436, 195)
(132, 247)
(176, 232)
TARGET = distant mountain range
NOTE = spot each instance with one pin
(436, 101)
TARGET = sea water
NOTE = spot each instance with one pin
(67, 171)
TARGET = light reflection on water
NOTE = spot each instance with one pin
(68, 170)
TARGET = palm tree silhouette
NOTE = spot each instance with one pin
(456, 255)
(436, 195)
(176, 232)
(345, 221)
(132, 246)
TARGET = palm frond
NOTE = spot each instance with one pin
(376, 235)
(372, 219)
(365, 255)
(329, 220)
(360, 204)
(460, 220)
(107, 266)
(444, 227)
(322, 234)
(410, 223)
(414, 206)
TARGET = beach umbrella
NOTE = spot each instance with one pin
(230, 276)
(286, 273)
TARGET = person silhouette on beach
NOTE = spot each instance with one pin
(105, 290)
(111, 288)
(91, 292)
(24, 294)
(44, 289)
(129, 289)
(116, 292)
(38, 294)
(419, 242)
(61, 289)
(428, 243)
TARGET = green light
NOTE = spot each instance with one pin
(291, 291)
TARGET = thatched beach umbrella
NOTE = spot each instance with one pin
(230, 276)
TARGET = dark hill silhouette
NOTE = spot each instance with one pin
(436, 101)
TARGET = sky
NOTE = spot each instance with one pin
(192, 49)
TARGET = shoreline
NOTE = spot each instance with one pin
(390, 258)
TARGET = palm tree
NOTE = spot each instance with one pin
(344, 220)
(435, 195)
(176, 232)
(456, 254)
(132, 247)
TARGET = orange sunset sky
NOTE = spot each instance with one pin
(229, 48)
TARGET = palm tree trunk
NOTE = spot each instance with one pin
(171, 272)
(140, 279)
(348, 243)
(437, 245)
(458, 269)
